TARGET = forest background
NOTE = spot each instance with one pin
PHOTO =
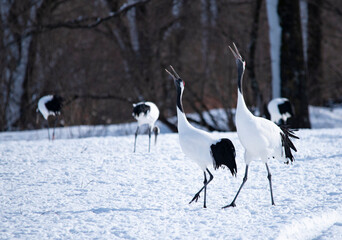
(103, 55)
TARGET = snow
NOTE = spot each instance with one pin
(86, 187)
(325, 117)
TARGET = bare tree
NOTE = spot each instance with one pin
(257, 95)
(105, 55)
(16, 18)
(314, 52)
(293, 72)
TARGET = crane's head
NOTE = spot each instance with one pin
(179, 83)
(177, 80)
(240, 63)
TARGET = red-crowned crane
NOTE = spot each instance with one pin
(50, 105)
(200, 146)
(279, 111)
(261, 138)
(146, 113)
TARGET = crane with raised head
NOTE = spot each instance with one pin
(203, 148)
(261, 138)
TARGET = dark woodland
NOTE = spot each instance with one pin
(103, 55)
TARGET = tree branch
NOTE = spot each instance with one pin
(79, 23)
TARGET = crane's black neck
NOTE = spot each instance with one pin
(179, 98)
(241, 70)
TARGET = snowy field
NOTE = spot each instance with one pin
(85, 187)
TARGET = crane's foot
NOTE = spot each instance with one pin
(196, 197)
(230, 205)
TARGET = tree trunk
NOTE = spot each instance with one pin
(257, 96)
(16, 60)
(292, 67)
(314, 52)
(275, 42)
(26, 106)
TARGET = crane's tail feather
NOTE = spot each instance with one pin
(287, 143)
(223, 153)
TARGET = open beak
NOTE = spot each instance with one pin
(175, 75)
(236, 53)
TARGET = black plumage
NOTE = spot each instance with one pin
(141, 108)
(223, 153)
(285, 107)
(55, 104)
(287, 143)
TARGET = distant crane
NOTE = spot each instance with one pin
(146, 113)
(261, 138)
(201, 146)
(50, 105)
(279, 111)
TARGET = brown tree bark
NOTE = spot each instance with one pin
(257, 95)
(293, 72)
(314, 63)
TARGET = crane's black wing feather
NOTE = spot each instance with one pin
(223, 153)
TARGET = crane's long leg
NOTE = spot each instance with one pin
(243, 182)
(135, 138)
(54, 126)
(156, 131)
(149, 139)
(48, 129)
(269, 176)
(155, 135)
(205, 182)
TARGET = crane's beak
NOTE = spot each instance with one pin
(236, 52)
(175, 75)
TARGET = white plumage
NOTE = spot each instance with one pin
(150, 117)
(201, 146)
(261, 138)
(146, 113)
(42, 107)
(195, 143)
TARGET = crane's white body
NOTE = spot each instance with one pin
(146, 113)
(150, 118)
(200, 146)
(195, 143)
(273, 109)
(260, 137)
(42, 107)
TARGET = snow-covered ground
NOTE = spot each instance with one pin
(97, 188)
